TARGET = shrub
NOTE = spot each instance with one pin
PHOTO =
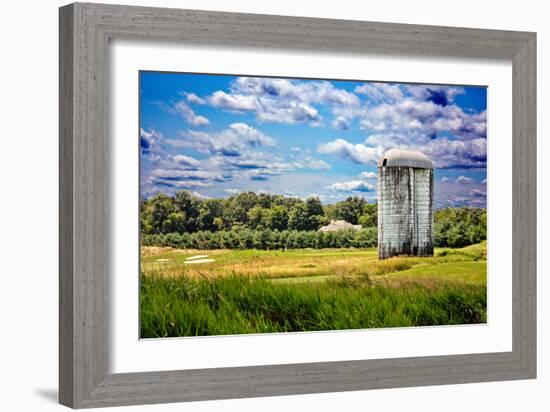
(264, 239)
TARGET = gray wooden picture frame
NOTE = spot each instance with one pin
(85, 31)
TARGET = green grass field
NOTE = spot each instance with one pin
(254, 291)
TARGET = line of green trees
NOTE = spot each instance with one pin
(265, 239)
(267, 221)
(459, 226)
(185, 213)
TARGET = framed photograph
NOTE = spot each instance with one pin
(256, 205)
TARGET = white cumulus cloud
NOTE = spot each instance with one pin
(233, 141)
(478, 193)
(232, 191)
(287, 101)
(186, 161)
(357, 153)
(193, 98)
(351, 186)
(368, 175)
(340, 123)
(189, 115)
(464, 179)
(234, 102)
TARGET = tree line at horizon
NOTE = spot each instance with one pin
(270, 221)
(185, 212)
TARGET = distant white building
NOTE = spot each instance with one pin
(336, 225)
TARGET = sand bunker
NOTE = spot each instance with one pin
(197, 257)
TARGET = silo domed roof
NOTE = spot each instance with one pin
(401, 157)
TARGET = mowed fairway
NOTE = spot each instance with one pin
(214, 292)
(302, 265)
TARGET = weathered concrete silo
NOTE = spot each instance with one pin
(405, 204)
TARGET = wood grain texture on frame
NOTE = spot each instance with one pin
(85, 31)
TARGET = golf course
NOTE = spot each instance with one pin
(187, 292)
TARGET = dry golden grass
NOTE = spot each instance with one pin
(149, 251)
(315, 265)
(253, 262)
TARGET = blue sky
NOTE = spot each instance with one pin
(216, 135)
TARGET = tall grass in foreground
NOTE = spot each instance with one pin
(185, 306)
